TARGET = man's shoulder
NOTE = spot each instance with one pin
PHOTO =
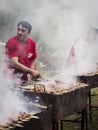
(12, 39)
(30, 40)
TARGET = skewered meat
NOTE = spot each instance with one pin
(17, 122)
(53, 87)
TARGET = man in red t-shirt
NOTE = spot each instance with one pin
(21, 50)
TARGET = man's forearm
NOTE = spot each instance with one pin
(20, 66)
(33, 64)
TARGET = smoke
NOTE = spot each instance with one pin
(56, 25)
(10, 102)
(13, 102)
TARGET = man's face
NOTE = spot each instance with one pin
(22, 33)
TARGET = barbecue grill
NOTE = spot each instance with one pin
(63, 103)
(90, 78)
(96, 83)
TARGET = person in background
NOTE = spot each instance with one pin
(21, 52)
(90, 39)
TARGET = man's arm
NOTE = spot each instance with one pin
(33, 67)
(33, 64)
(18, 65)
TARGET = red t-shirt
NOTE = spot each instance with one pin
(25, 51)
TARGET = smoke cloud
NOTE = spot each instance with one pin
(10, 102)
(12, 99)
(56, 24)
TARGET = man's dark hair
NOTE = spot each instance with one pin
(25, 24)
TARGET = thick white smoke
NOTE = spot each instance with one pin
(56, 24)
(10, 102)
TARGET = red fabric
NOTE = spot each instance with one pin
(25, 51)
(71, 56)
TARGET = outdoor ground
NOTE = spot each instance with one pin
(93, 124)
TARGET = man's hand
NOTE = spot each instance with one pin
(35, 74)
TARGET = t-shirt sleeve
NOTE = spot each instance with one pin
(11, 50)
(34, 51)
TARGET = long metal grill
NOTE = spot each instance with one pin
(64, 103)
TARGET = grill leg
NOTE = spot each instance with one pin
(84, 123)
(61, 125)
(55, 125)
(89, 106)
(84, 120)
